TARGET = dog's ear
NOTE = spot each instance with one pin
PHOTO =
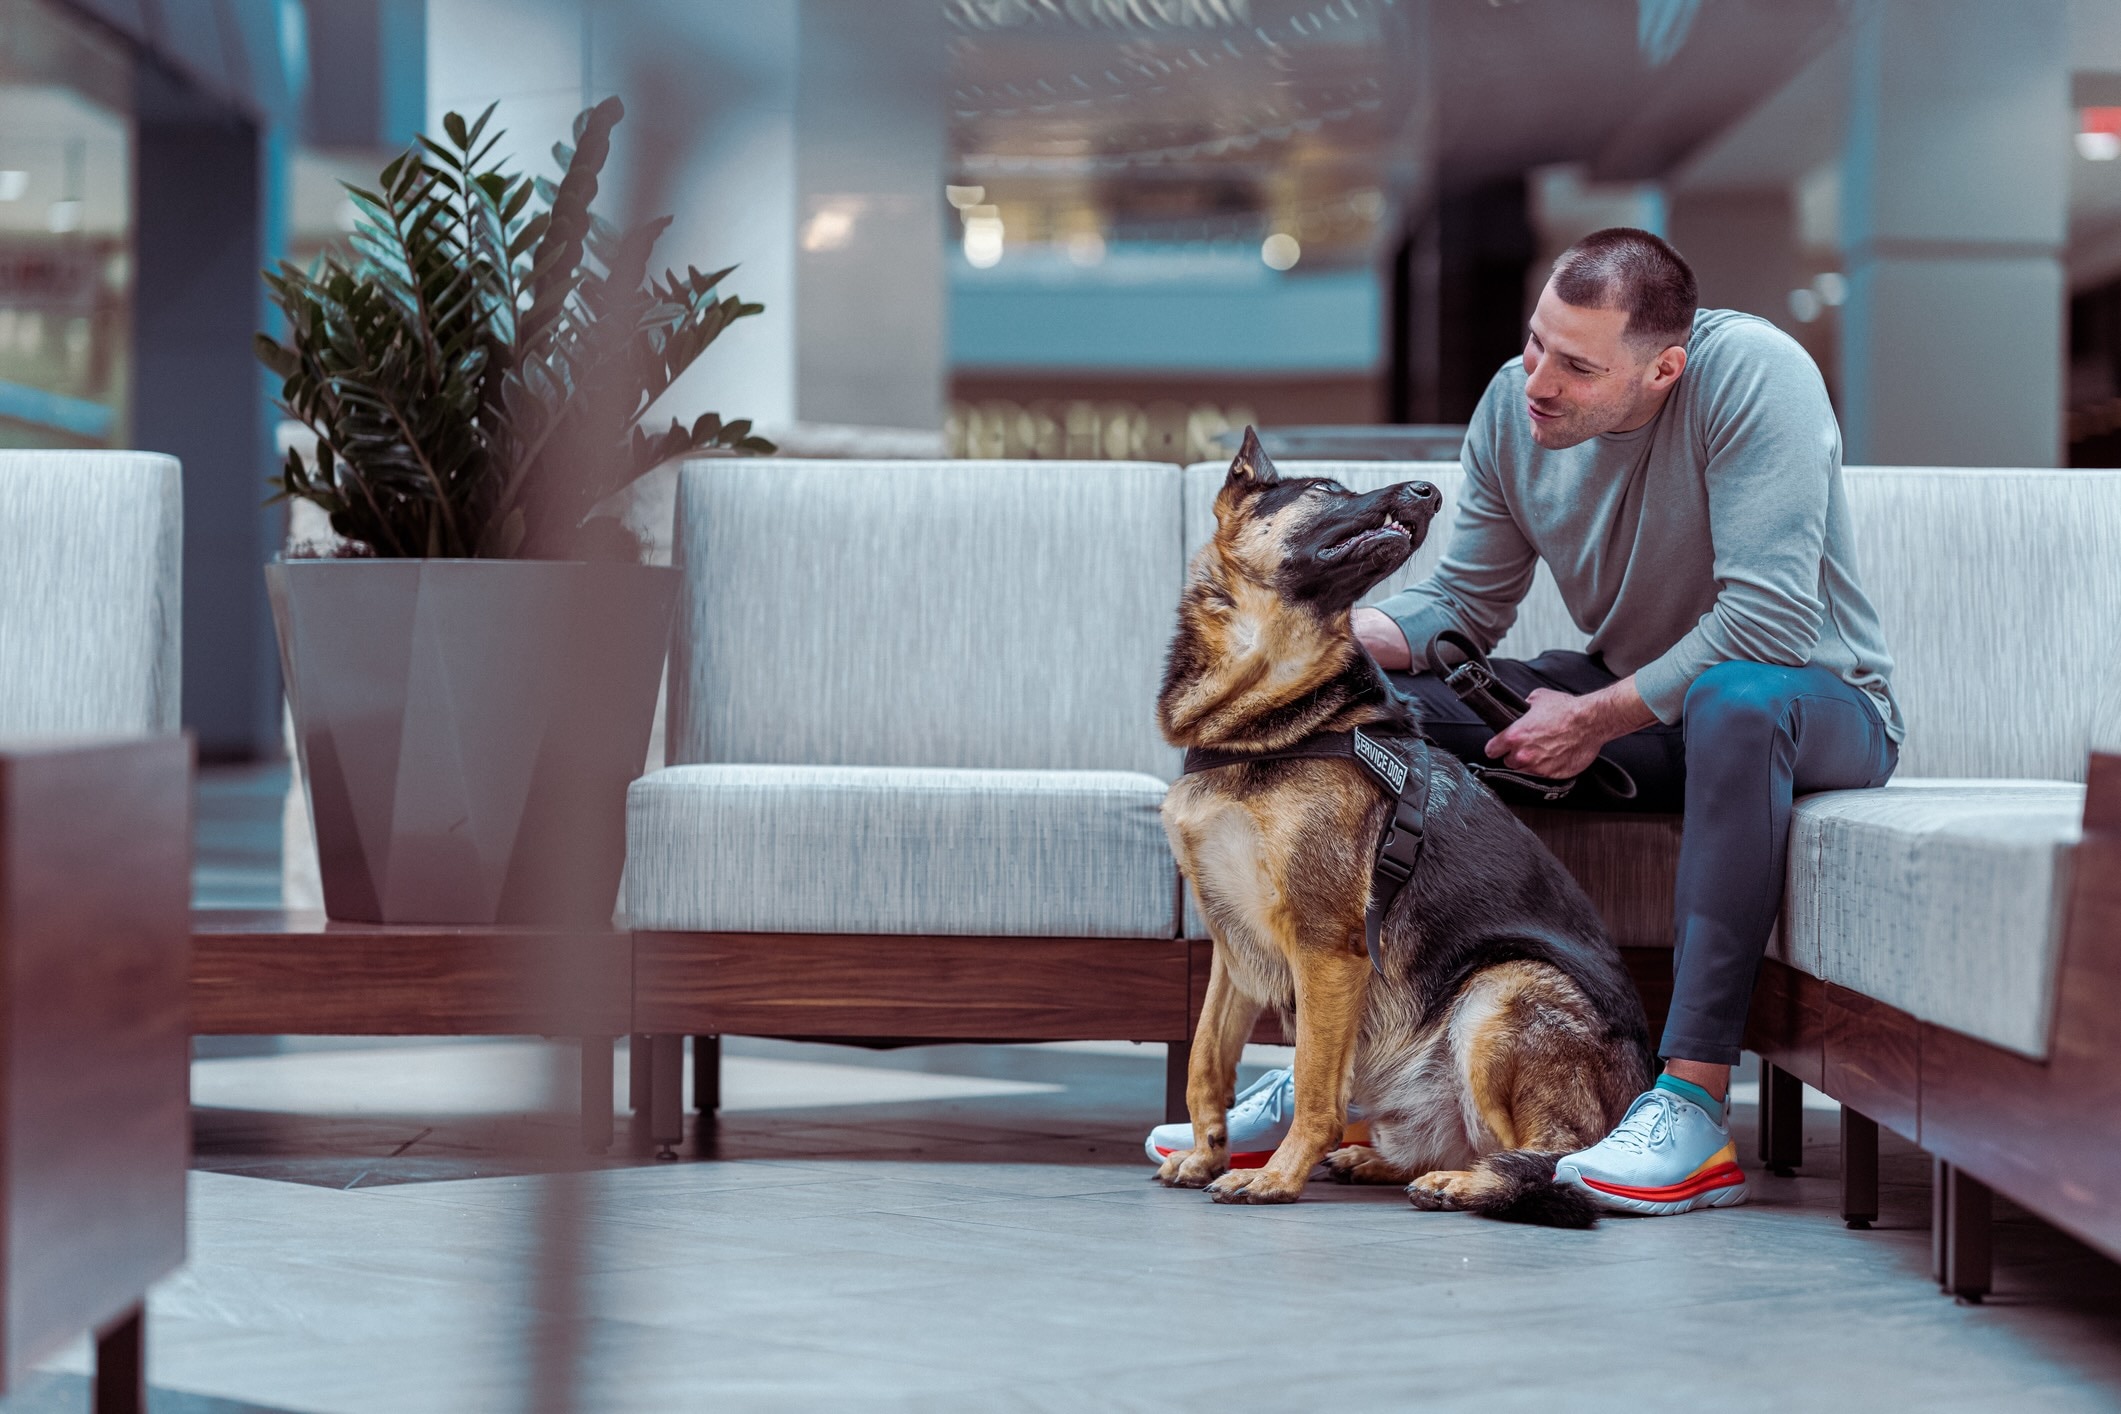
(1251, 467)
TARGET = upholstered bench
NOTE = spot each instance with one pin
(91, 579)
(914, 770)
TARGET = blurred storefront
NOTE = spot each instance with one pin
(66, 230)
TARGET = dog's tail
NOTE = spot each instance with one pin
(1517, 1186)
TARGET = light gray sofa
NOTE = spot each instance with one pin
(914, 771)
(91, 585)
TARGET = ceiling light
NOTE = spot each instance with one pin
(962, 197)
(983, 241)
(1086, 248)
(831, 226)
(1280, 251)
(64, 216)
(12, 184)
(1804, 304)
(1833, 288)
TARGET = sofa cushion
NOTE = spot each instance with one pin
(849, 849)
(925, 614)
(1944, 898)
(91, 574)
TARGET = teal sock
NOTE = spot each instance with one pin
(1688, 1090)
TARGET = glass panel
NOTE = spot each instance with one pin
(66, 228)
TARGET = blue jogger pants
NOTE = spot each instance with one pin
(1754, 736)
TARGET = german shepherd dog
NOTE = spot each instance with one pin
(1503, 1031)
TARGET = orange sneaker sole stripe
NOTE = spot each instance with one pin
(1722, 1176)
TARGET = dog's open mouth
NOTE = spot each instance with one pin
(1390, 533)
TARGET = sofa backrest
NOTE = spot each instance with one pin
(946, 614)
(1999, 591)
(91, 577)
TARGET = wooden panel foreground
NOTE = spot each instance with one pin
(95, 880)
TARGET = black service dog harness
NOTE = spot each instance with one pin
(1403, 777)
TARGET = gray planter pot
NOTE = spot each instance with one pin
(468, 729)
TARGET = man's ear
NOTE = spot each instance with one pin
(1668, 365)
(1251, 467)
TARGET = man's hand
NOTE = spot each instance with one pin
(1561, 734)
(1375, 631)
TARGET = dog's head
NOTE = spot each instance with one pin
(1309, 538)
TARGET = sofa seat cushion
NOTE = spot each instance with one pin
(859, 849)
(1944, 898)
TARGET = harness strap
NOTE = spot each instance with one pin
(1404, 778)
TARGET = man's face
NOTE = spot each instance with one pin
(1584, 376)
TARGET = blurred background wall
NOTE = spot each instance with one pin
(1082, 227)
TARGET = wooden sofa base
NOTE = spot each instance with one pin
(2039, 1132)
(805, 986)
(272, 973)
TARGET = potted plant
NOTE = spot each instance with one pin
(473, 676)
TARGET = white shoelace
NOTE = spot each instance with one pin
(1262, 1097)
(1647, 1124)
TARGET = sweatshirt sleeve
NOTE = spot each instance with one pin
(1489, 565)
(1773, 448)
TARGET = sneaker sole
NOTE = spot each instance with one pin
(1721, 1187)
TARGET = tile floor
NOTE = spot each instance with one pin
(414, 1228)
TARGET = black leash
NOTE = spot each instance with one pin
(1466, 671)
(1404, 778)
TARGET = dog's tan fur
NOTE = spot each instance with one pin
(1279, 854)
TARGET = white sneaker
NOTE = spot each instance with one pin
(1667, 1155)
(1259, 1121)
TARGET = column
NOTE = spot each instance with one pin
(802, 143)
(211, 212)
(1954, 212)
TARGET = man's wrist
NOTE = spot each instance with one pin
(1613, 711)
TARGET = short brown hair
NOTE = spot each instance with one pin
(1625, 268)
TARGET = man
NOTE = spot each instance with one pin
(1679, 470)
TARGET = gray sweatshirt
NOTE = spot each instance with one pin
(1718, 531)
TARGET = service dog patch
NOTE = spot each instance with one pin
(1385, 764)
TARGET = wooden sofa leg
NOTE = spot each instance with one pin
(121, 1365)
(596, 1093)
(706, 1074)
(1176, 1054)
(1781, 1119)
(1859, 1169)
(666, 1093)
(1960, 1218)
(637, 1077)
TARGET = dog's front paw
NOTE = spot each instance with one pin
(1255, 1186)
(1191, 1168)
